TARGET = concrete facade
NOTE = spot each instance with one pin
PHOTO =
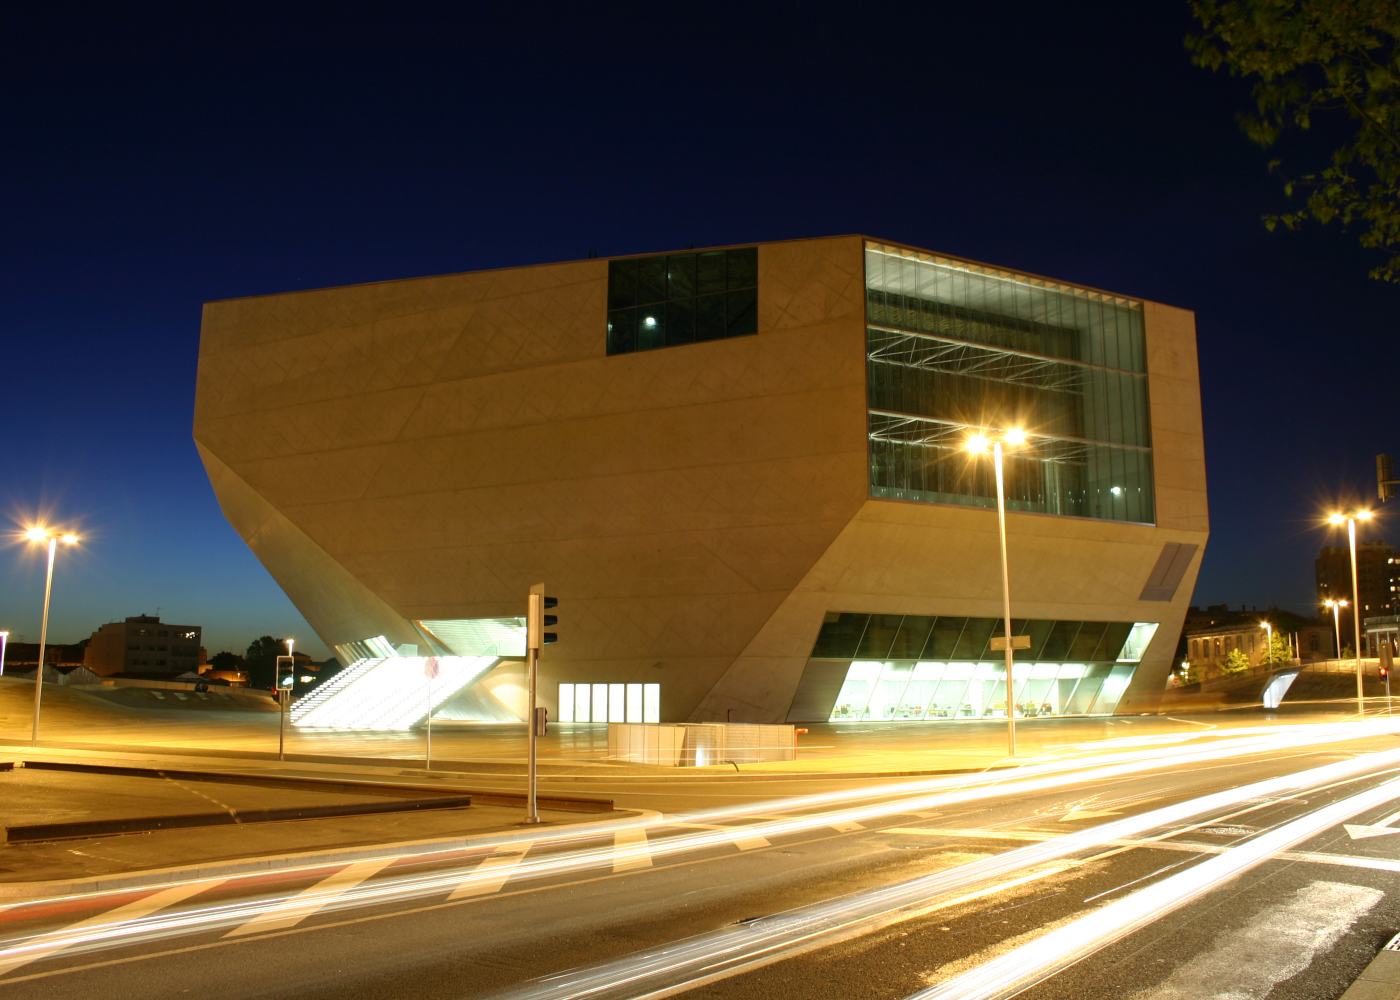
(428, 448)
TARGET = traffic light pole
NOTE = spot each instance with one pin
(532, 808)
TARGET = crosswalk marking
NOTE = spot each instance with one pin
(630, 850)
(292, 911)
(737, 835)
(846, 826)
(47, 944)
(929, 831)
(492, 874)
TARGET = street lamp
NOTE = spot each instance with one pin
(1338, 518)
(1268, 643)
(979, 444)
(4, 641)
(40, 534)
(1336, 608)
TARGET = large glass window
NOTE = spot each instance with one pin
(1071, 667)
(953, 347)
(681, 298)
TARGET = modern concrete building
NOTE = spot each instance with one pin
(741, 471)
(143, 644)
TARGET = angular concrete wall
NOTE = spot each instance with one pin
(429, 448)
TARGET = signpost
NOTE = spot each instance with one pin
(430, 670)
(284, 697)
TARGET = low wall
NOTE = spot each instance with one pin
(700, 744)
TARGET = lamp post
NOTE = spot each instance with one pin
(1350, 520)
(41, 534)
(4, 641)
(1336, 608)
(979, 444)
(1268, 643)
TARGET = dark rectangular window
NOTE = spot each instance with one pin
(666, 301)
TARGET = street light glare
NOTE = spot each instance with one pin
(70, 538)
(37, 534)
(977, 444)
(1335, 518)
(1364, 515)
(1015, 437)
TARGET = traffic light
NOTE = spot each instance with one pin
(286, 673)
(536, 621)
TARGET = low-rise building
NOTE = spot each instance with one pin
(143, 644)
(1210, 640)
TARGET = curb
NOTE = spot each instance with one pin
(29, 832)
(563, 803)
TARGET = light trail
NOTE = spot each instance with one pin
(877, 802)
(708, 957)
(1038, 960)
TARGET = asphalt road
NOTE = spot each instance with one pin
(882, 893)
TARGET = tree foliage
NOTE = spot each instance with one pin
(1279, 651)
(1329, 65)
(1235, 662)
(261, 661)
(224, 660)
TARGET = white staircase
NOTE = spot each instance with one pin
(389, 694)
(333, 686)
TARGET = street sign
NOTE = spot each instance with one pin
(430, 667)
(1017, 642)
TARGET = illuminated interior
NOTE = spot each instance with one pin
(926, 668)
(609, 702)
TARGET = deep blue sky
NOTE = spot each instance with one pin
(149, 166)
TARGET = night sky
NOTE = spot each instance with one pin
(150, 166)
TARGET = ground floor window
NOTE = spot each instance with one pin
(894, 690)
(609, 702)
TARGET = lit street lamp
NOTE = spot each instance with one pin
(1350, 521)
(1268, 643)
(1336, 608)
(52, 536)
(979, 444)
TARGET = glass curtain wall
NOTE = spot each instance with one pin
(913, 667)
(953, 347)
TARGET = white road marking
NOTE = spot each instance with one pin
(1277, 944)
(47, 944)
(492, 874)
(630, 850)
(743, 840)
(847, 827)
(293, 910)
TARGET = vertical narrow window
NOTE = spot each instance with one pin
(566, 703)
(651, 703)
(617, 709)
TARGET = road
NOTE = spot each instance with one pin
(1247, 862)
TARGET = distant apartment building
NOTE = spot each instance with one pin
(143, 644)
(1377, 578)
